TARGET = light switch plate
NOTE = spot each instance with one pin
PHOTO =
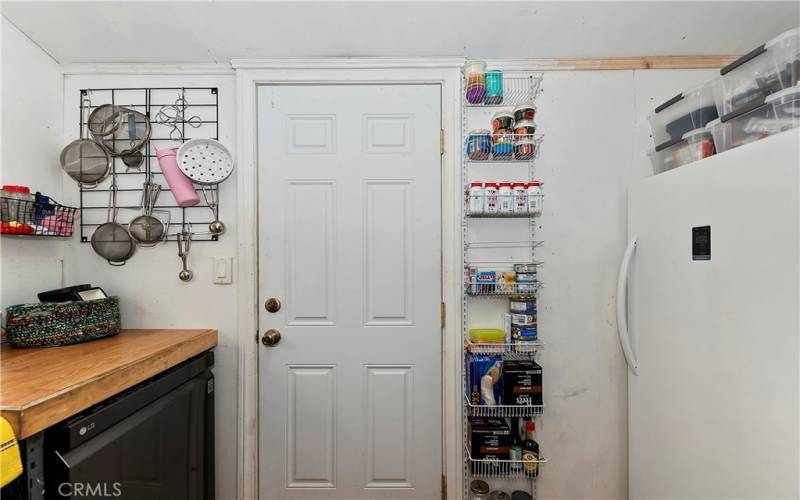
(223, 270)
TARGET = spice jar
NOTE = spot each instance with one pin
(494, 86)
(490, 198)
(477, 194)
(479, 144)
(478, 490)
(505, 198)
(520, 197)
(474, 73)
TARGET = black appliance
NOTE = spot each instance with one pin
(155, 441)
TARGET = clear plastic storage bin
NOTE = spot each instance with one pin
(687, 111)
(780, 111)
(745, 83)
(694, 145)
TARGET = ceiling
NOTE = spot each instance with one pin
(216, 31)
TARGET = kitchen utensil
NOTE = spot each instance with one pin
(85, 160)
(184, 239)
(111, 240)
(216, 227)
(181, 187)
(206, 162)
(147, 229)
(104, 120)
(127, 140)
(174, 115)
(134, 159)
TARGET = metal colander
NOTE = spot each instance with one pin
(85, 160)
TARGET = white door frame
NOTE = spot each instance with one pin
(250, 74)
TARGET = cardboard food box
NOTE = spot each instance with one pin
(522, 383)
(490, 438)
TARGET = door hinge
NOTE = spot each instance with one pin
(443, 315)
(441, 142)
(444, 487)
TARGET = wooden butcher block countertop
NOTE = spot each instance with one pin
(40, 387)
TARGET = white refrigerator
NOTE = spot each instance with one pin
(709, 323)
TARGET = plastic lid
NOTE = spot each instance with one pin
(525, 123)
(492, 184)
(795, 32)
(9, 187)
(530, 426)
(476, 184)
(535, 183)
(527, 105)
(518, 184)
(697, 131)
(505, 184)
(495, 71)
(480, 131)
(23, 189)
(507, 114)
(795, 91)
(713, 123)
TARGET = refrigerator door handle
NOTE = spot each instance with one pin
(622, 308)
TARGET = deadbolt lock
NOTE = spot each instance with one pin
(272, 305)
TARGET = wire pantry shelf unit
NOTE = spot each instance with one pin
(516, 90)
(476, 288)
(509, 469)
(30, 218)
(474, 410)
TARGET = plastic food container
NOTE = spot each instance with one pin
(502, 144)
(524, 149)
(502, 120)
(687, 111)
(487, 335)
(525, 112)
(745, 83)
(479, 144)
(474, 73)
(780, 111)
(494, 86)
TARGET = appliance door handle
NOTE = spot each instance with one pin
(622, 307)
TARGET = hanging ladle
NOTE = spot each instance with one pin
(184, 239)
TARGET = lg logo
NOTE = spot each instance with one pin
(90, 490)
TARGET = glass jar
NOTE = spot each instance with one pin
(478, 490)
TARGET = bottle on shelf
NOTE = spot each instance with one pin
(530, 451)
(515, 452)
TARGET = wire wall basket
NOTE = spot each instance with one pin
(32, 218)
(176, 115)
(510, 469)
(516, 90)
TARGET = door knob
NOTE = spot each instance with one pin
(272, 305)
(271, 337)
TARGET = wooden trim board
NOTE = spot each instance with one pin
(42, 386)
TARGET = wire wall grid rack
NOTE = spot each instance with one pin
(497, 245)
(194, 114)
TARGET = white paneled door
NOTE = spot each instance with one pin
(350, 246)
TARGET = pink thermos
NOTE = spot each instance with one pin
(181, 187)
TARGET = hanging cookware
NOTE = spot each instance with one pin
(111, 240)
(130, 138)
(147, 229)
(207, 162)
(104, 120)
(184, 239)
(85, 160)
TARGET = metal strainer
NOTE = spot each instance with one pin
(131, 136)
(147, 229)
(85, 160)
(111, 240)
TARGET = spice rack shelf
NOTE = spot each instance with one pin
(508, 469)
(487, 254)
(516, 90)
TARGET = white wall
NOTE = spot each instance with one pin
(31, 142)
(151, 295)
